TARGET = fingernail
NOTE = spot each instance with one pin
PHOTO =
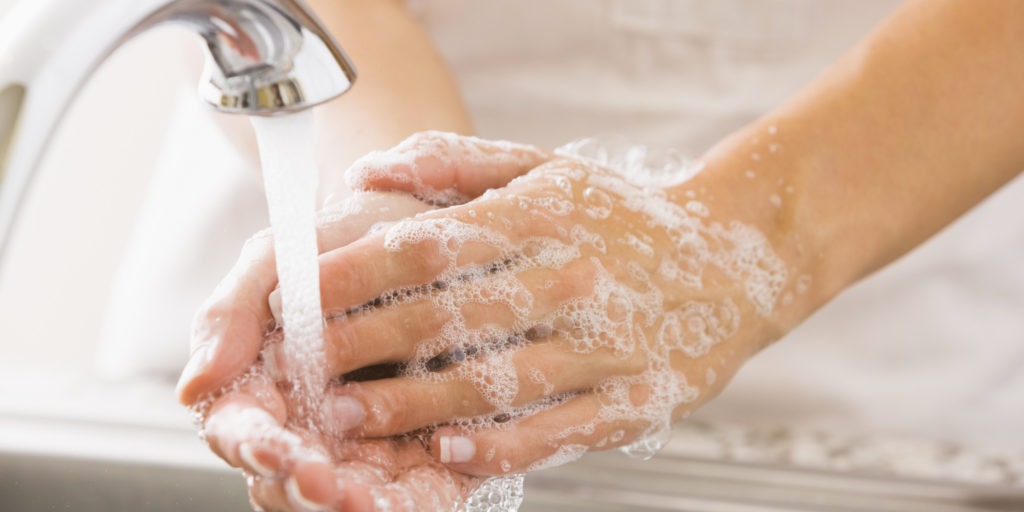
(249, 458)
(196, 364)
(345, 412)
(275, 305)
(297, 499)
(456, 449)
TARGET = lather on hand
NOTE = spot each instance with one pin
(532, 329)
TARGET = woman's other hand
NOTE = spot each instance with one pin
(244, 412)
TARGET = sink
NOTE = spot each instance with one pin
(601, 482)
(99, 447)
(30, 483)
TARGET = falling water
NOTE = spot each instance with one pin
(290, 178)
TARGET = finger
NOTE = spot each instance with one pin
(343, 221)
(385, 335)
(229, 328)
(411, 258)
(417, 332)
(267, 494)
(311, 487)
(412, 327)
(443, 245)
(551, 437)
(354, 496)
(251, 416)
(236, 424)
(395, 406)
(421, 488)
(444, 168)
(388, 472)
(288, 471)
(401, 332)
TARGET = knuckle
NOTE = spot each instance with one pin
(424, 143)
(342, 334)
(431, 258)
(208, 316)
(213, 310)
(435, 138)
(386, 412)
(341, 270)
(423, 260)
(575, 281)
(222, 317)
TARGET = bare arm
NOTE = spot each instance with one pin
(912, 128)
(403, 85)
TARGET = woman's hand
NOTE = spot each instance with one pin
(573, 309)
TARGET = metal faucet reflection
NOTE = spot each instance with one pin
(264, 57)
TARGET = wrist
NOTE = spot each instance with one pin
(757, 177)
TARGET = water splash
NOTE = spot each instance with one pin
(499, 494)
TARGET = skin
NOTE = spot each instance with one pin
(905, 133)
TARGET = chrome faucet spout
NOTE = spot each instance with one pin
(264, 57)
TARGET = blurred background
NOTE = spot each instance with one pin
(81, 208)
(67, 438)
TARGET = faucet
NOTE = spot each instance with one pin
(263, 57)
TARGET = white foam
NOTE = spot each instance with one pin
(406, 162)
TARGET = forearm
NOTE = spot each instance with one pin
(908, 131)
(403, 85)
